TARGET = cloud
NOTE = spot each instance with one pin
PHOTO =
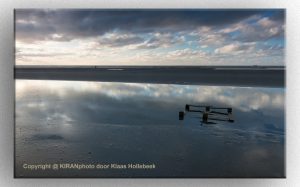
(119, 40)
(264, 29)
(266, 22)
(161, 40)
(35, 25)
(150, 37)
(269, 50)
(235, 48)
(21, 55)
(186, 53)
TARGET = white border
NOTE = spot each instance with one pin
(7, 90)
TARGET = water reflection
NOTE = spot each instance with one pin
(90, 122)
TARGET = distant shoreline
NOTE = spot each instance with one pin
(152, 66)
(245, 76)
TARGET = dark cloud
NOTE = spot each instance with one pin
(278, 16)
(33, 24)
(260, 33)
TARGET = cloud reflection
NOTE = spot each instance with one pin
(111, 119)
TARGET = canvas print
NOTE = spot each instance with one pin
(140, 93)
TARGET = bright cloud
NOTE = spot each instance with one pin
(235, 48)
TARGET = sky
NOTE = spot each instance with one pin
(150, 37)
